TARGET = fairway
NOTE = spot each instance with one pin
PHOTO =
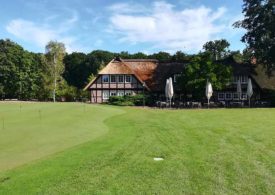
(93, 149)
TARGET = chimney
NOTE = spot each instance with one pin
(253, 60)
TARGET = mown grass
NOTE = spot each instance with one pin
(205, 151)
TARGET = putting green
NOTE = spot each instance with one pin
(31, 131)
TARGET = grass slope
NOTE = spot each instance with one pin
(205, 152)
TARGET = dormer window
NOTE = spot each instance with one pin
(105, 78)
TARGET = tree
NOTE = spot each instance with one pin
(218, 49)
(161, 56)
(179, 56)
(200, 69)
(259, 23)
(139, 55)
(20, 71)
(55, 52)
(76, 69)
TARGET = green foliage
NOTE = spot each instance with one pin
(179, 56)
(65, 92)
(217, 49)
(76, 69)
(55, 52)
(200, 69)
(259, 23)
(120, 101)
(20, 72)
(161, 56)
(132, 100)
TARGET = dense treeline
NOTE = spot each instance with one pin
(21, 72)
(25, 75)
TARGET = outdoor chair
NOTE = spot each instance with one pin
(196, 105)
(236, 104)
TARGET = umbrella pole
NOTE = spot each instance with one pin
(208, 102)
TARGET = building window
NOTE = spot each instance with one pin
(220, 96)
(112, 93)
(128, 78)
(120, 93)
(105, 78)
(113, 78)
(105, 95)
(236, 96)
(228, 96)
(128, 93)
(176, 76)
(244, 96)
(120, 78)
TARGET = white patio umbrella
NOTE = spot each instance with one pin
(208, 91)
(170, 90)
(249, 90)
(166, 89)
(239, 88)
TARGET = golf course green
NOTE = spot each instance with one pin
(74, 148)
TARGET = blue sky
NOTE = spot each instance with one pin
(119, 25)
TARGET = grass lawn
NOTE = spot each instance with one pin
(74, 148)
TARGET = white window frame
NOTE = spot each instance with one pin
(226, 96)
(113, 76)
(129, 76)
(105, 76)
(237, 96)
(113, 93)
(105, 94)
(119, 77)
(128, 93)
(120, 93)
(219, 98)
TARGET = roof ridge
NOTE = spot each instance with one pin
(134, 72)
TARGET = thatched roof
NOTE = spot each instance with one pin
(116, 67)
(265, 80)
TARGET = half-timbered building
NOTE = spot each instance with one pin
(133, 76)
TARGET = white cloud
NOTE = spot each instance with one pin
(41, 34)
(166, 27)
(126, 8)
(28, 31)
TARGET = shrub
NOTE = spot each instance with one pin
(132, 100)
